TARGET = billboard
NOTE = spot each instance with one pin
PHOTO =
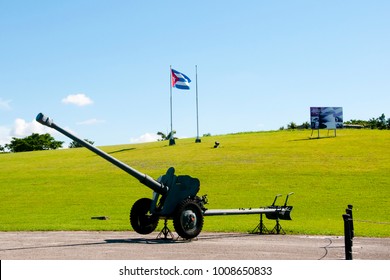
(326, 117)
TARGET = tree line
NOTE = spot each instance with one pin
(374, 123)
(36, 142)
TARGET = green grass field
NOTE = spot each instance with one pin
(63, 189)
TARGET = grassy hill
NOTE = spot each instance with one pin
(63, 189)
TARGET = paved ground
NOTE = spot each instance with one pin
(106, 245)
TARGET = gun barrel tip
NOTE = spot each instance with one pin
(42, 119)
(39, 116)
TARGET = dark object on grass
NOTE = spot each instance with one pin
(100, 218)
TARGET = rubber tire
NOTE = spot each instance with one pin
(179, 223)
(140, 219)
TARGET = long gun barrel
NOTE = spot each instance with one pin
(143, 178)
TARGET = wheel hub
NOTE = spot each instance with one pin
(189, 219)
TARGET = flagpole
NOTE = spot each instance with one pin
(171, 139)
(197, 140)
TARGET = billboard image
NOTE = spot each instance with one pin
(326, 117)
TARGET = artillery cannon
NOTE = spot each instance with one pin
(174, 197)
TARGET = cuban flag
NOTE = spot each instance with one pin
(179, 80)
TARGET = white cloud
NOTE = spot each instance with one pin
(21, 129)
(5, 137)
(5, 104)
(147, 137)
(91, 122)
(79, 99)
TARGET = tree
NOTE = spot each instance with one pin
(382, 122)
(162, 135)
(75, 144)
(379, 123)
(166, 137)
(305, 125)
(34, 142)
(292, 125)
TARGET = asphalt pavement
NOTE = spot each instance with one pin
(128, 245)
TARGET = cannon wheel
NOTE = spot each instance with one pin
(188, 219)
(140, 218)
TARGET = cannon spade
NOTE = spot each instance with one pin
(174, 197)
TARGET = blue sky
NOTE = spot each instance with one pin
(101, 68)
